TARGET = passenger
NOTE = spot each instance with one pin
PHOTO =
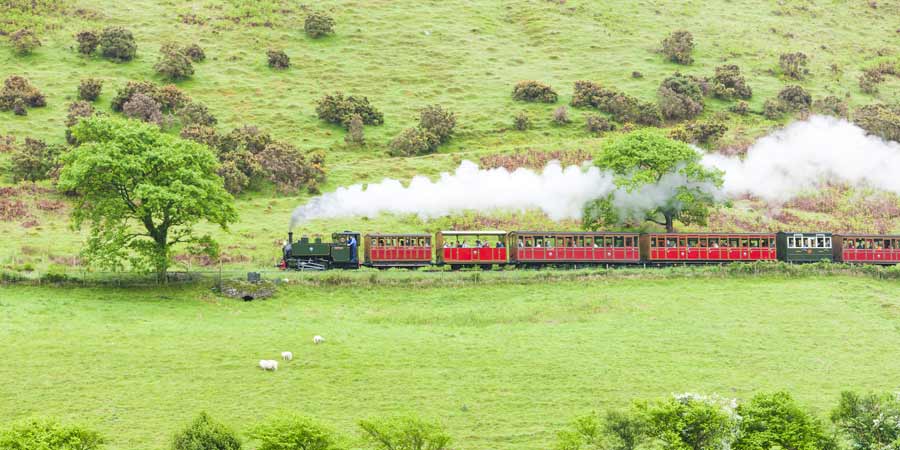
(521, 243)
(537, 244)
(499, 244)
(477, 243)
(715, 244)
(446, 244)
(459, 244)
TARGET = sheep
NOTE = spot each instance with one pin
(268, 364)
(287, 356)
(318, 339)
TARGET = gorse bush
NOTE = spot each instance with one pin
(117, 44)
(773, 109)
(206, 434)
(194, 113)
(144, 108)
(869, 80)
(587, 94)
(832, 106)
(413, 141)
(88, 41)
(728, 83)
(795, 98)
(596, 124)
(793, 65)
(41, 434)
(742, 108)
(561, 116)
(880, 120)
(18, 93)
(77, 111)
(534, 91)
(173, 63)
(438, 121)
(201, 133)
(406, 433)
(337, 109)
(622, 107)
(318, 24)
(24, 41)
(290, 170)
(355, 131)
(278, 59)
(195, 52)
(678, 47)
(89, 89)
(680, 98)
(522, 121)
(294, 432)
(169, 97)
(34, 161)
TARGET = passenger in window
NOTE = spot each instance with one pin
(446, 244)
(499, 244)
(521, 243)
(715, 244)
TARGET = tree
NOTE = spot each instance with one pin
(777, 421)
(204, 433)
(405, 433)
(649, 166)
(689, 422)
(142, 191)
(294, 432)
(869, 421)
(616, 430)
(44, 434)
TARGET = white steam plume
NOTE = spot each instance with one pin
(804, 154)
(559, 192)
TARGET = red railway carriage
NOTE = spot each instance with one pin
(398, 250)
(708, 247)
(461, 248)
(867, 249)
(560, 247)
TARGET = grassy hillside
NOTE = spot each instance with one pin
(504, 366)
(403, 55)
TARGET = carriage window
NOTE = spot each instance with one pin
(682, 242)
(828, 242)
(734, 242)
(692, 242)
(620, 241)
(598, 242)
(754, 243)
(744, 243)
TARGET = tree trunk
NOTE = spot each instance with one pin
(670, 223)
(161, 261)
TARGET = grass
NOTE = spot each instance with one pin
(504, 366)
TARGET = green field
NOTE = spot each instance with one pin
(504, 365)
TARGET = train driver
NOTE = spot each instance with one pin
(352, 244)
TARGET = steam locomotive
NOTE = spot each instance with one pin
(487, 249)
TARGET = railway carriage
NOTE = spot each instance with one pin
(537, 248)
(471, 248)
(398, 250)
(708, 247)
(867, 249)
(796, 247)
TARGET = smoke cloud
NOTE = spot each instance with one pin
(801, 156)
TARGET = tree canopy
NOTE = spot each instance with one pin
(658, 179)
(142, 191)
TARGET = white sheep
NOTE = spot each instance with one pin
(287, 356)
(318, 339)
(268, 364)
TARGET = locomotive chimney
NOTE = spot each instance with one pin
(290, 237)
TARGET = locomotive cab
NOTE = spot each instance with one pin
(314, 254)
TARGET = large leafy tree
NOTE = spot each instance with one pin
(776, 421)
(659, 180)
(142, 191)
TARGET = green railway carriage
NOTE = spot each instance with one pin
(804, 247)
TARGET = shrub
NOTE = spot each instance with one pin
(413, 141)
(278, 59)
(741, 107)
(777, 421)
(561, 116)
(318, 24)
(337, 109)
(34, 161)
(869, 421)
(173, 63)
(232, 172)
(597, 124)
(879, 120)
(18, 93)
(587, 94)
(144, 108)
(117, 44)
(131, 88)
(294, 432)
(794, 65)
(90, 89)
(699, 132)
(194, 113)
(88, 41)
(728, 83)
(438, 121)
(205, 434)
(24, 41)
(42, 434)
(689, 422)
(77, 111)
(772, 109)
(408, 433)
(869, 80)
(647, 114)
(832, 106)
(614, 431)
(795, 98)
(289, 170)
(680, 98)
(201, 133)
(355, 131)
(171, 98)
(637, 74)
(18, 107)
(522, 122)
(678, 47)
(195, 52)
(247, 137)
(534, 91)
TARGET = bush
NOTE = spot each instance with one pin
(522, 122)
(646, 114)
(173, 63)
(318, 24)
(689, 422)
(41, 434)
(879, 120)
(699, 132)
(195, 52)
(636, 75)
(680, 98)
(169, 97)
(777, 421)
(203, 134)
(18, 107)
(438, 121)
(205, 434)
(772, 109)
(534, 91)
(117, 44)
(614, 431)
(77, 111)
(413, 141)
(794, 65)
(142, 107)
(355, 131)
(289, 170)
(247, 137)
(88, 41)
(597, 124)
(90, 89)
(741, 107)
(587, 94)
(869, 421)
(294, 432)
(678, 47)
(728, 83)
(337, 109)
(407, 433)
(832, 106)
(18, 93)
(795, 98)
(34, 161)
(869, 80)
(622, 107)
(561, 116)
(278, 59)
(195, 113)
(24, 41)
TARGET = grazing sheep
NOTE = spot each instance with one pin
(268, 364)
(318, 339)
(287, 356)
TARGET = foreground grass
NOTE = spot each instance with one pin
(503, 365)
